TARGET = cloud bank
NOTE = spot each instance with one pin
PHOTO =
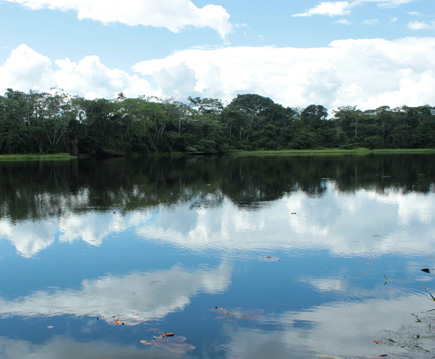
(174, 15)
(367, 73)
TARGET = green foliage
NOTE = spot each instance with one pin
(57, 122)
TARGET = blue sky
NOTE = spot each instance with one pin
(366, 53)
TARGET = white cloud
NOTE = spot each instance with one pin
(91, 79)
(368, 73)
(25, 70)
(371, 22)
(357, 72)
(389, 3)
(174, 15)
(421, 25)
(340, 8)
(343, 22)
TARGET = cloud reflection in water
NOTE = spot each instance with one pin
(362, 224)
(135, 297)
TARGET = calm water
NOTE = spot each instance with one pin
(275, 257)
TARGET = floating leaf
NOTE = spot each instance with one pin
(378, 341)
(50, 326)
(173, 343)
(146, 342)
(171, 339)
(426, 270)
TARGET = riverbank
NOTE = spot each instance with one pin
(330, 151)
(333, 151)
(38, 157)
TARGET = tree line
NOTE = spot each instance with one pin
(41, 122)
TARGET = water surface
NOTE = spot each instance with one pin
(272, 257)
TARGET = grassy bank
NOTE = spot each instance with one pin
(38, 157)
(332, 151)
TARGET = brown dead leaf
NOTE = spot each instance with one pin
(164, 335)
(146, 342)
(119, 322)
(378, 341)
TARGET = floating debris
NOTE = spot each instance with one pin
(426, 270)
(129, 319)
(239, 313)
(170, 341)
(269, 259)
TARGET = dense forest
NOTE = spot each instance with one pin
(52, 122)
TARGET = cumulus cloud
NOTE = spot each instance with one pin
(26, 69)
(174, 15)
(367, 73)
(359, 72)
(90, 78)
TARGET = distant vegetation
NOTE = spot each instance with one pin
(57, 122)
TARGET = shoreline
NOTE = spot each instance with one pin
(330, 151)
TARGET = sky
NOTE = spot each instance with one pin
(364, 53)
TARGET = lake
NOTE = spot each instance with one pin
(218, 257)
